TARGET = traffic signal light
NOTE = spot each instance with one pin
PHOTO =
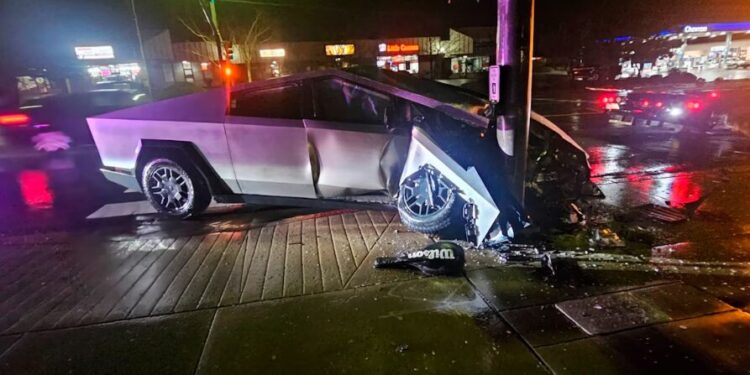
(229, 51)
(228, 71)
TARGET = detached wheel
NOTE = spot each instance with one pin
(425, 201)
(175, 188)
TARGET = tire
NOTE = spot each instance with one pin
(175, 187)
(413, 207)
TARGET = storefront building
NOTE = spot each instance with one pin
(103, 65)
(428, 56)
(196, 62)
(710, 51)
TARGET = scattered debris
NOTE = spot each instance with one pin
(547, 264)
(668, 251)
(606, 237)
(402, 348)
(575, 215)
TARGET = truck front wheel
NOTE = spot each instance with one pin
(425, 201)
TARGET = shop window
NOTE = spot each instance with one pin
(168, 73)
(341, 101)
(279, 102)
(187, 68)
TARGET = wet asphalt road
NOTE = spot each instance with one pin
(39, 194)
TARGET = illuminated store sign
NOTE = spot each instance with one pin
(272, 52)
(695, 29)
(339, 49)
(95, 53)
(398, 48)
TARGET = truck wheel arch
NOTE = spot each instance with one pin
(151, 149)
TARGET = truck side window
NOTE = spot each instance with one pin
(341, 101)
(278, 102)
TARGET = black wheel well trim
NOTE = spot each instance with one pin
(156, 147)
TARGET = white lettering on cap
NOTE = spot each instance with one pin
(433, 254)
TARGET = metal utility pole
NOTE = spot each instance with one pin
(217, 34)
(515, 47)
(140, 45)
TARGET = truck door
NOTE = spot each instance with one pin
(268, 142)
(356, 149)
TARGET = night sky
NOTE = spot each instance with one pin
(42, 32)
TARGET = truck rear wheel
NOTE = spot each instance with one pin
(175, 187)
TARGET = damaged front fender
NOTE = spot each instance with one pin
(423, 151)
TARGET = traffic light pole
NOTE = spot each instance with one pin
(217, 34)
(515, 47)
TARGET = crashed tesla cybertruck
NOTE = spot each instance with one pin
(340, 138)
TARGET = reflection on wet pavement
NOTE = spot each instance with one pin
(35, 189)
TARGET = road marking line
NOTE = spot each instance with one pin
(563, 100)
(574, 114)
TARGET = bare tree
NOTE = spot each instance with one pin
(245, 33)
(248, 37)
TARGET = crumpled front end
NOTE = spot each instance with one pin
(467, 184)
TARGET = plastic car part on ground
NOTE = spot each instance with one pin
(438, 259)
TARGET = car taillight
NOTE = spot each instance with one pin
(609, 99)
(693, 105)
(15, 119)
(713, 95)
(659, 104)
(645, 103)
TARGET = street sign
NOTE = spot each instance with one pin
(495, 83)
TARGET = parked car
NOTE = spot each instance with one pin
(58, 122)
(337, 138)
(585, 73)
(738, 64)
